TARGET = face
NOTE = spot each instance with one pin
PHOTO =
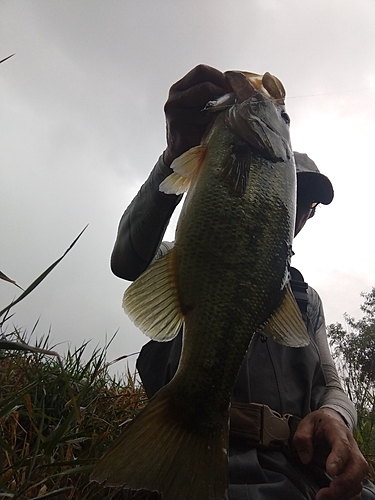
(305, 209)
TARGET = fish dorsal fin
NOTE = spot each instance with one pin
(151, 301)
(286, 325)
(185, 169)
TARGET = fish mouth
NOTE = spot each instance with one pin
(257, 113)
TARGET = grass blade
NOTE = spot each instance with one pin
(17, 346)
(5, 58)
(40, 278)
(9, 280)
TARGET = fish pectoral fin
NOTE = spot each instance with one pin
(236, 169)
(185, 169)
(286, 325)
(151, 301)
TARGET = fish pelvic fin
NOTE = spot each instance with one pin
(185, 169)
(158, 452)
(151, 301)
(286, 325)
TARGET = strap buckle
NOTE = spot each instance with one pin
(275, 429)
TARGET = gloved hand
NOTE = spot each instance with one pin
(185, 119)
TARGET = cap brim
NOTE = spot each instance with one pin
(317, 184)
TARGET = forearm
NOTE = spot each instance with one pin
(142, 226)
(337, 400)
(334, 396)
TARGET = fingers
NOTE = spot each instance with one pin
(341, 489)
(199, 74)
(303, 439)
(195, 89)
(341, 451)
(186, 122)
(348, 468)
(345, 455)
(344, 461)
(188, 108)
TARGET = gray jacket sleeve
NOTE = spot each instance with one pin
(143, 225)
(334, 397)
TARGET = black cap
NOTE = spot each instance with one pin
(309, 177)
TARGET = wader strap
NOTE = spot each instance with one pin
(259, 426)
(299, 288)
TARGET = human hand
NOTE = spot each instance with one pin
(185, 120)
(345, 463)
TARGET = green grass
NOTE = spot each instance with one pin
(57, 417)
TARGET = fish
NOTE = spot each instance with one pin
(225, 279)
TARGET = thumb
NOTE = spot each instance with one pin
(303, 441)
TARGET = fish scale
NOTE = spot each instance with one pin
(229, 272)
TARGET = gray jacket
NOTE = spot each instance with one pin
(294, 381)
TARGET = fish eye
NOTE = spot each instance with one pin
(285, 117)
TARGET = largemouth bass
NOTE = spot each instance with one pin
(225, 279)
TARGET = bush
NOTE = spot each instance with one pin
(353, 348)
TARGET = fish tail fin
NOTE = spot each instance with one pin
(158, 451)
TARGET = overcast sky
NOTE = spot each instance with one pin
(82, 125)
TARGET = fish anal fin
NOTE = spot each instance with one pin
(157, 452)
(185, 169)
(286, 325)
(151, 301)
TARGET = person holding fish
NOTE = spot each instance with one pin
(236, 332)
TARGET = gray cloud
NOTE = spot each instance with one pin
(82, 124)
